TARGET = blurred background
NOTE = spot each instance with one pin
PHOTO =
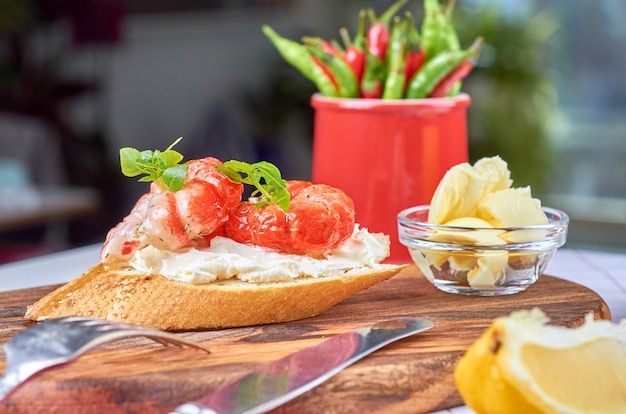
(81, 78)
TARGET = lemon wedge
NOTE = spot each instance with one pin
(522, 365)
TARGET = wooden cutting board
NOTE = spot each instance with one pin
(412, 375)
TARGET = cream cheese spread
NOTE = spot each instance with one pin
(226, 259)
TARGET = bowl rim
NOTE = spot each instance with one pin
(563, 220)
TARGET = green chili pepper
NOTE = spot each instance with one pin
(346, 80)
(299, 57)
(438, 68)
(454, 91)
(395, 60)
(434, 29)
(394, 84)
(294, 53)
(452, 39)
(398, 34)
(452, 43)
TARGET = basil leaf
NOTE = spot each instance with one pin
(128, 161)
(161, 167)
(264, 176)
(171, 158)
(174, 177)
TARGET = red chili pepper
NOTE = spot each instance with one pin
(355, 50)
(414, 62)
(324, 45)
(326, 71)
(356, 59)
(347, 85)
(329, 48)
(375, 92)
(416, 55)
(373, 77)
(378, 40)
(457, 74)
(378, 33)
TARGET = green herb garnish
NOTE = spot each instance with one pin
(162, 167)
(272, 191)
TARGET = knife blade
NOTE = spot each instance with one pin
(278, 382)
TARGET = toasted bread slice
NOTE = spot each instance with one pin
(125, 295)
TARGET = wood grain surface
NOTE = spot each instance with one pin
(412, 375)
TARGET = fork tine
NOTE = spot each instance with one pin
(59, 341)
(110, 335)
(111, 331)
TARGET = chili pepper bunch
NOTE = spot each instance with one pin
(388, 57)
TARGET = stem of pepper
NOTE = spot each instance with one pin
(345, 37)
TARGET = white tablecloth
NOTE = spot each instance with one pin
(603, 272)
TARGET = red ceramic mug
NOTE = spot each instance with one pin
(387, 155)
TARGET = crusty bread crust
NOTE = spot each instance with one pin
(123, 294)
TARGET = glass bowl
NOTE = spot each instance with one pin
(479, 260)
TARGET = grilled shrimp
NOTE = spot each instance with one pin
(320, 217)
(177, 220)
